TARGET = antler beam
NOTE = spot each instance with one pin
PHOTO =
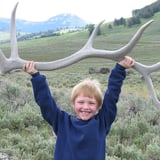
(15, 62)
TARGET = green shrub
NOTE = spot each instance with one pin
(43, 154)
(132, 153)
(153, 152)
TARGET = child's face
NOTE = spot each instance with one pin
(85, 107)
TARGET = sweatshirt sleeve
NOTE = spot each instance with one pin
(111, 97)
(44, 99)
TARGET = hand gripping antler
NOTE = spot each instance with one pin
(15, 62)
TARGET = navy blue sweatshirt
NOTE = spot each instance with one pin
(78, 139)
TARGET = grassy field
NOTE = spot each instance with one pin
(135, 134)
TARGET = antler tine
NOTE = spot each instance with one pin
(145, 71)
(14, 62)
(120, 53)
(14, 47)
(93, 35)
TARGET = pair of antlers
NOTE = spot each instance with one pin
(15, 62)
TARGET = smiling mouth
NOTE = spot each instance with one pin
(85, 112)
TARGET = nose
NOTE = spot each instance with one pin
(85, 105)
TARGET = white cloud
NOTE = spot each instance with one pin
(94, 11)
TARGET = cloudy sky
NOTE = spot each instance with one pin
(90, 10)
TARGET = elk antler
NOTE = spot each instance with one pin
(15, 62)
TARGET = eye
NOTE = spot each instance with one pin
(92, 103)
(80, 102)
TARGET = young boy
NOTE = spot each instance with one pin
(81, 137)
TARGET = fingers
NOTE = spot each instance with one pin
(127, 62)
(132, 62)
(29, 67)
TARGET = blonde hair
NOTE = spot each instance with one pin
(89, 88)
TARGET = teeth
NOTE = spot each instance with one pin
(85, 113)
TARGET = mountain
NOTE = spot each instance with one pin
(61, 21)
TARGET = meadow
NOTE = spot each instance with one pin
(135, 134)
